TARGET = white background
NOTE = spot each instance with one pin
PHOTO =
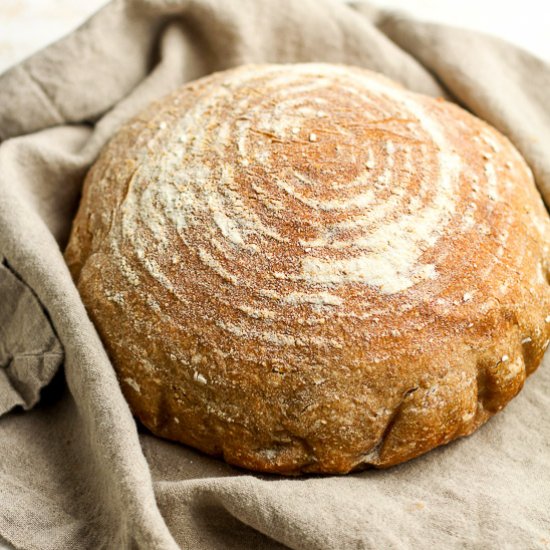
(28, 25)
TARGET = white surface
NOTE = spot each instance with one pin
(526, 23)
(28, 25)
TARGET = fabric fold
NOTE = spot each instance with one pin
(30, 352)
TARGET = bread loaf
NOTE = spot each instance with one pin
(308, 268)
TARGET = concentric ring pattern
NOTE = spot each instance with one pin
(308, 268)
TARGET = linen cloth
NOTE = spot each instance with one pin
(76, 472)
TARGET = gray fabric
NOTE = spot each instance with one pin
(76, 471)
(30, 352)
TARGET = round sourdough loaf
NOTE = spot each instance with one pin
(308, 268)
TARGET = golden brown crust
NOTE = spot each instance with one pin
(309, 269)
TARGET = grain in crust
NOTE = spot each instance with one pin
(307, 268)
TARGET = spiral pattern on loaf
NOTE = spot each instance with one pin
(287, 201)
(302, 227)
